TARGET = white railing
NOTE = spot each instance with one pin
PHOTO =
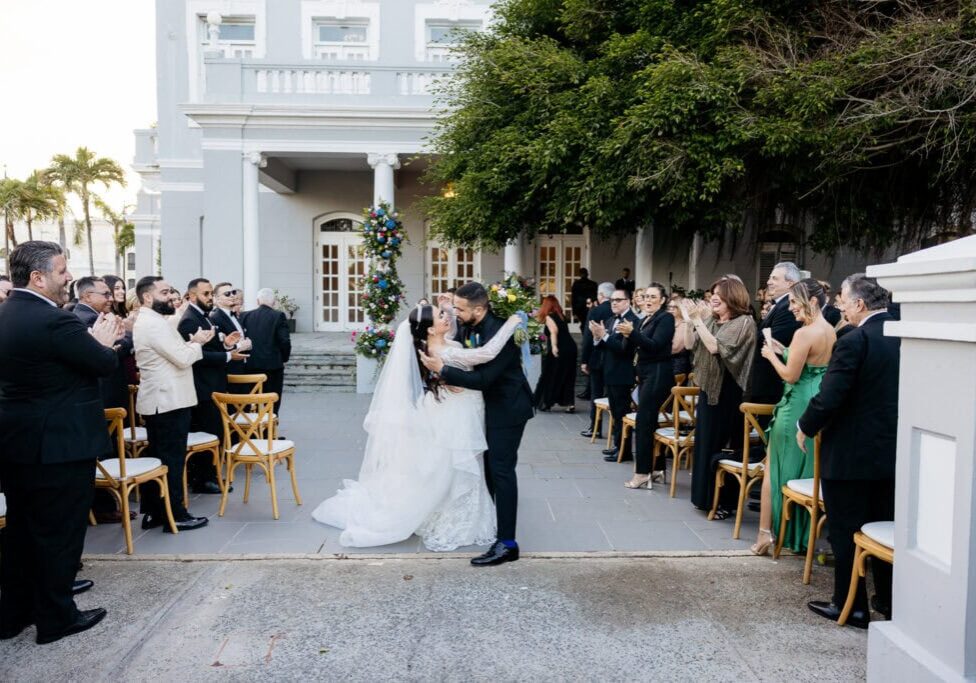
(330, 81)
(417, 82)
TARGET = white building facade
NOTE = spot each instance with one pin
(279, 121)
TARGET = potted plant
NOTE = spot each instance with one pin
(288, 305)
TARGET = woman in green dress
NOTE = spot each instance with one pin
(801, 368)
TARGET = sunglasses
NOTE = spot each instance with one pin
(229, 292)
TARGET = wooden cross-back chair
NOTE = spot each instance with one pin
(250, 441)
(877, 540)
(120, 475)
(678, 437)
(197, 443)
(805, 493)
(256, 382)
(746, 473)
(664, 418)
(136, 437)
(601, 406)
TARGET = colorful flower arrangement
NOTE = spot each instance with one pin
(373, 342)
(382, 289)
(515, 294)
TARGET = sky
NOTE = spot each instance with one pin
(75, 73)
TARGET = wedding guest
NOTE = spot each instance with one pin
(582, 290)
(802, 368)
(722, 338)
(680, 356)
(227, 323)
(591, 356)
(765, 386)
(5, 286)
(117, 286)
(52, 429)
(618, 365)
(209, 376)
(267, 328)
(830, 312)
(856, 413)
(637, 303)
(557, 383)
(626, 283)
(166, 394)
(653, 338)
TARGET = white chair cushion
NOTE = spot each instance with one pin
(753, 466)
(199, 438)
(882, 532)
(141, 434)
(133, 467)
(804, 487)
(277, 446)
(250, 418)
(603, 402)
(632, 416)
(3, 505)
(682, 415)
(666, 432)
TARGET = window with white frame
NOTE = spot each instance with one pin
(235, 37)
(345, 40)
(442, 36)
(450, 267)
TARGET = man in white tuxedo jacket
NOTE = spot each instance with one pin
(166, 395)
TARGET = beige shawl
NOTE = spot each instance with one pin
(736, 346)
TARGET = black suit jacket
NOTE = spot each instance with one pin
(114, 388)
(592, 356)
(618, 354)
(268, 331)
(765, 385)
(226, 326)
(210, 372)
(582, 289)
(857, 407)
(50, 406)
(653, 339)
(627, 285)
(508, 398)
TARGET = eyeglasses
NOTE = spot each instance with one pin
(229, 292)
(618, 300)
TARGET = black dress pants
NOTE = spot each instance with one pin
(500, 461)
(167, 441)
(656, 382)
(850, 505)
(597, 390)
(619, 396)
(41, 546)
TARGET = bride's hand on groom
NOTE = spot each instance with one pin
(434, 364)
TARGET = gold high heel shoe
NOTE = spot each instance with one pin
(760, 548)
(638, 483)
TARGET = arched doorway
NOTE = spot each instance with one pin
(339, 267)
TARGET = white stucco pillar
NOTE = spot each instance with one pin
(694, 255)
(513, 255)
(644, 257)
(932, 634)
(383, 166)
(250, 225)
(144, 248)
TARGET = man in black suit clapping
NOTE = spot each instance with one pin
(591, 355)
(765, 385)
(227, 323)
(52, 429)
(267, 329)
(856, 413)
(618, 364)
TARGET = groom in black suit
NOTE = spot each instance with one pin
(508, 406)
(856, 413)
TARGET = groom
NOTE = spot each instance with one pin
(508, 406)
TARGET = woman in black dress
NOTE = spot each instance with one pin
(653, 337)
(557, 384)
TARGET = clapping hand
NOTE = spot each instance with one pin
(432, 363)
(767, 352)
(231, 340)
(202, 336)
(107, 330)
(597, 329)
(245, 344)
(182, 308)
(624, 327)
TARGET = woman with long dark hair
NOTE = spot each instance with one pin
(116, 285)
(421, 472)
(557, 383)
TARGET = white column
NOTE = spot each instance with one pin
(644, 256)
(932, 634)
(383, 166)
(513, 255)
(250, 224)
(693, 256)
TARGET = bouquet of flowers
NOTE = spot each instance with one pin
(373, 342)
(382, 295)
(517, 295)
(383, 234)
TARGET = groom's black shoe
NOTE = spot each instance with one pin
(497, 554)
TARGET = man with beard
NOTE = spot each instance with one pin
(166, 395)
(209, 375)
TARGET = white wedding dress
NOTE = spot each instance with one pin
(422, 469)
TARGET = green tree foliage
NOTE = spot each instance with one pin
(854, 117)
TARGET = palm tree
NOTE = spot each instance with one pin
(124, 230)
(38, 201)
(10, 206)
(60, 196)
(77, 174)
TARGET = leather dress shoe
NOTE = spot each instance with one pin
(8, 632)
(113, 517)
(211, 487)
(152, 521)
(499, 553)
(187, 523)
(81, 585)
(828, 610)
(610, 451)
(84, 621)
(588, 433)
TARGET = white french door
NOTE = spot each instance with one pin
(339, 268)
(450, 267)
(558, 260)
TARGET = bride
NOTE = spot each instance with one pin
(422, 471)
